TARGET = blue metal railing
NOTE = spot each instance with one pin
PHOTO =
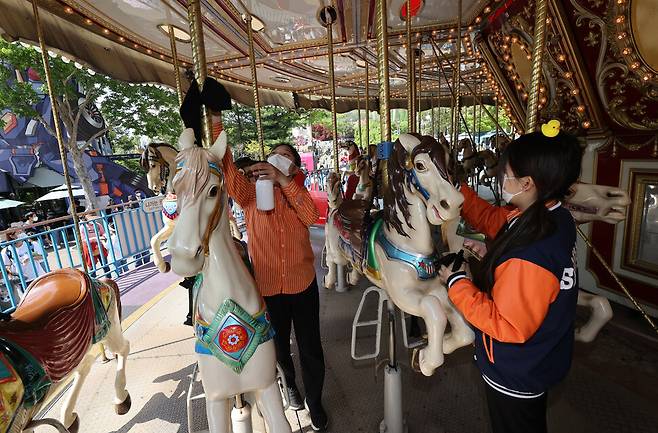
(112, 239)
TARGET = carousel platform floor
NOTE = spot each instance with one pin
(612, 386)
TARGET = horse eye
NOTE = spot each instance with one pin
(420, 166)
(213, 191)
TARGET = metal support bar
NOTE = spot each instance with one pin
(254, 85)
(537, 57)
(332, 88)
(58, 130)
(174, 58)
(456, 79)
(367, 103)
(382, 71)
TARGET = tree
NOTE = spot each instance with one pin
(127, 109)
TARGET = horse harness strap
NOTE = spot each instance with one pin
(425, 266)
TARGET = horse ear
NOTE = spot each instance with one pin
(408, 141)
(219, 148)
(186, 139)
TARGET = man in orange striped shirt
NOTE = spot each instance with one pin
(280, 249)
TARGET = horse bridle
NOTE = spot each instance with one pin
(164, 167)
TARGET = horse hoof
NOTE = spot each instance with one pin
(415, 363)
(75, 426)
(124, 407)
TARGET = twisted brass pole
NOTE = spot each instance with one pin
(537, 56)
(411, 76)
(199, 58)
(254, 85)
(419, 88)
(456, 78)
(58, 130)
(382, 70)
(174, 58)
(332, 88)
(367, 103)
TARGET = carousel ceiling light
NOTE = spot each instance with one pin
(478, 19)
(627, 51)
(68, 10)
(580, 108)
(88, 21)
(620, 19)
(149, 51)
(621, 35)
(635, 65)
(587, 124)
(568, 75)
(106, 31)
(122, 39)
(575, 92)
(487, 9)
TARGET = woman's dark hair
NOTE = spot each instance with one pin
(295, 154)
(554, 165)
(244, 162)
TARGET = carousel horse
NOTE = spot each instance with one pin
(587, 203)
(48, 339)
(159, 161)
(234, 343)
(395, 249)
(483, 163)
(364, 187)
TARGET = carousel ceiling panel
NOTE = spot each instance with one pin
(288, 21)
(272, 77)
(432, 12)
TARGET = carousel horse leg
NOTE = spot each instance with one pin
(601, 314)
(219, 418)
(68, 416)
(354, 276)
(340, 281)
(157, 240)
(269, 403)
(460, 334)
(118, 344)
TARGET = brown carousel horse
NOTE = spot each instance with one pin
(49, 339)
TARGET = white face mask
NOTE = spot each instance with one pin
(282, 163)
(508, 196)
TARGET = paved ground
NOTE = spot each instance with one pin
(612, 387)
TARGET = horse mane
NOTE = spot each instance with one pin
(394, 196)
(144, 158)
(193, 177)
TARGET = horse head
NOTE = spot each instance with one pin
(363, 166)
(155, 166)
(589, 202)
(418, 166)
(333, 190)
(199, 185)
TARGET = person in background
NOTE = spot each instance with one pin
(93, 237)
(522, 302)
(23, 257)
(280, 249)
(120, 263)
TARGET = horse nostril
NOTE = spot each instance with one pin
(444, 204)
(199, 251)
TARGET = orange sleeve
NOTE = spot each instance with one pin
(301, 201)
(238, 187)
(518, 304)
(482, 216)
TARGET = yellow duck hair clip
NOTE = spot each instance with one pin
(551, 129)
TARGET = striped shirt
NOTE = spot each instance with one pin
(279, 243)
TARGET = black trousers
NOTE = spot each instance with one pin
(303, 311)
(516, 415)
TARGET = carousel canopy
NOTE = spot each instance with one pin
(128, 40)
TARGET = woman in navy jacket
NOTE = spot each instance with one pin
(522, 304)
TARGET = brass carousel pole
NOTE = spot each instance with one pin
(382, 70)
(329, 18)
(58, 130)
(174, 58)
(456, 79)
(367, 104)
(411, 77)
(358, 110)
(419, 88)
(537, 56)
(254, 84)
(199, 58)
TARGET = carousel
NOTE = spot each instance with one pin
(585, 67)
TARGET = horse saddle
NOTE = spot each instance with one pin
(57, 321)
(351, 221)
(48, 294)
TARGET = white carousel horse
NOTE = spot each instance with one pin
(364, 188)
(159, 161)
(234, 347)
(587, 203)
(49, 339)
(396, 252)
(483, 163)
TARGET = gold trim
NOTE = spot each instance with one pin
(539, 40)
